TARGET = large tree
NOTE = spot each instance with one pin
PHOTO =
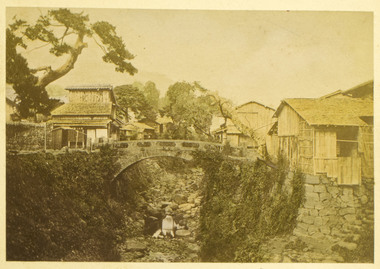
(151, 93)
(190, 108)
(131, 98)
(65, 34)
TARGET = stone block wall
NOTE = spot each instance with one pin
(335, 212)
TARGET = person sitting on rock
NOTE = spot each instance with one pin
(167, 228)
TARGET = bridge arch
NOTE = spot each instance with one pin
(126, 166)
(131, 152)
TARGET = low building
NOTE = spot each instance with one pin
(326, 135)
(253, 115)
(90, 116)
(164, 123)
(136, 130)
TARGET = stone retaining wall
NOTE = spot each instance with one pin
(335, 212)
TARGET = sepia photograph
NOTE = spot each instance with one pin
(156, 135)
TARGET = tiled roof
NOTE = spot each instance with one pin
(83, 109)
(136, 126)
(163, 120)
(80, 122)
(331, 111)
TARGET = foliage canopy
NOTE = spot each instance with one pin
(129, 97)
(190, 109)
(64, 33)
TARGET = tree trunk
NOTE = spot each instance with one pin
(53, 75)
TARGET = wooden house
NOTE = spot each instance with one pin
(88, 117)
(254, 115)
(326, 135)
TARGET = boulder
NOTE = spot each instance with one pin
(179, 199)
(182, 233)
(347, 245)
(186, 207)
(133, 245)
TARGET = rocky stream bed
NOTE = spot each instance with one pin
(170, 191)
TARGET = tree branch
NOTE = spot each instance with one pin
(203, 131)
(44, 45)
(64, 34)
(53, 75)
(35, 70)
(100, 46)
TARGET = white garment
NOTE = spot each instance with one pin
(168, 225)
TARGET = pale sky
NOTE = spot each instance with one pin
(263, 56)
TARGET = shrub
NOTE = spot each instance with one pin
(56, 207)
(243, 204)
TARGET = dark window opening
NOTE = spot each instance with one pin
(347, 141)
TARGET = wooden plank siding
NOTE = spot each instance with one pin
(256, 116)
(288, 122)
(289, 147)
(349, 169)
(272, 145)
(85, 96)
(325, 144)
(316, 149)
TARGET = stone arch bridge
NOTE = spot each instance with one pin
(131, 152)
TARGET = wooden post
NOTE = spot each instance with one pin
(76, 139)
(45, 137)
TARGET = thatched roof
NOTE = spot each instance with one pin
(74, 109)
(331, 111)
